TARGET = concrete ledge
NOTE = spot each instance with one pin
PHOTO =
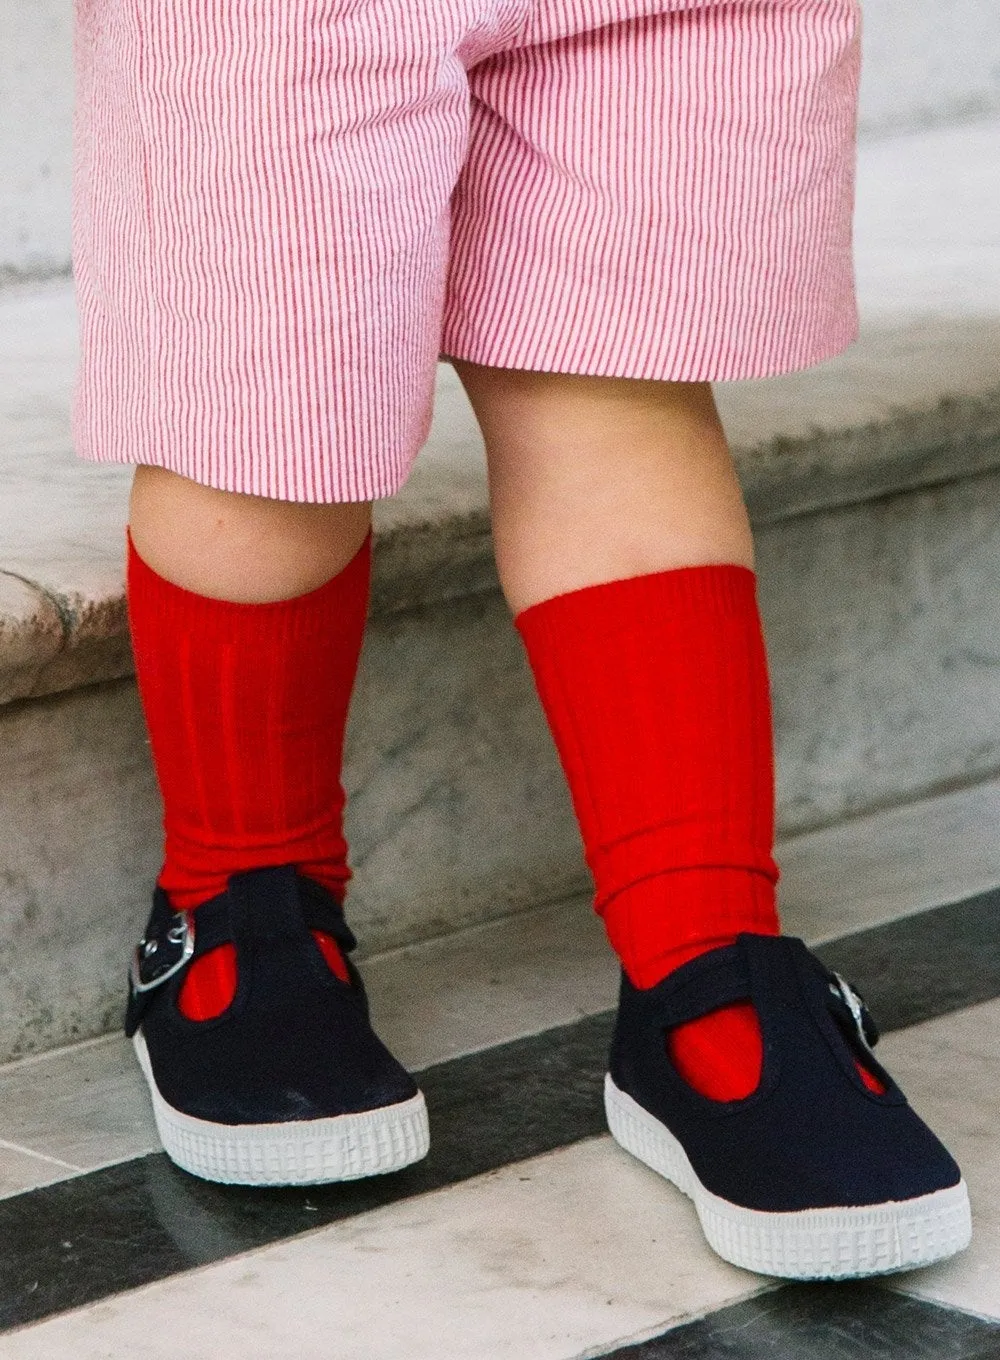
(31, 636)
(902, 410)
(51, 641)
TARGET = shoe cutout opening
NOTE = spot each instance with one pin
(210, 985)
(330, 950)
(721, 1054)
(869, 1078)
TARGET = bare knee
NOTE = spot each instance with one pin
(236, 547)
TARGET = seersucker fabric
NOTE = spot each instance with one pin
(285, 214)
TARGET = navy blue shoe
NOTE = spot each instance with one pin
(289, 1085)
(813, 1175)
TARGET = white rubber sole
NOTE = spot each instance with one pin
(811, 1244)
(345, 1147)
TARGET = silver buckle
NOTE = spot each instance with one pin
(181, 934)
(853, 1003)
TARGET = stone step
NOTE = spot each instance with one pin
(872, 482)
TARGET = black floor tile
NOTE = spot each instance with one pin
(826, 1322)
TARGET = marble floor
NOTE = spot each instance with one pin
(527, 1233)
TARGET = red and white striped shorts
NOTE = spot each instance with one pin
(286, 211)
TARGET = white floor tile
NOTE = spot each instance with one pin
(22, 1170)
(554, 1258)
(950, 1070)
(545, 968)
(85, 1105)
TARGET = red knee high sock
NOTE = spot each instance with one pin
(656, 691)
(246, 706)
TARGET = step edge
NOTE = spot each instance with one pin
(424, 562)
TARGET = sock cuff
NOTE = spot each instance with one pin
(352, 582)
(726, 587)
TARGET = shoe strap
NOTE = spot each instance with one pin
(713, 980)
(266, 907)
(734, 973)
(173, 940)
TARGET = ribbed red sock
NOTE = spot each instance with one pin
(656, 691)
(246, 707)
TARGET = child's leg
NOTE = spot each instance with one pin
(669, 198)
(247, 619)
(251, 1025)
(624, 548)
